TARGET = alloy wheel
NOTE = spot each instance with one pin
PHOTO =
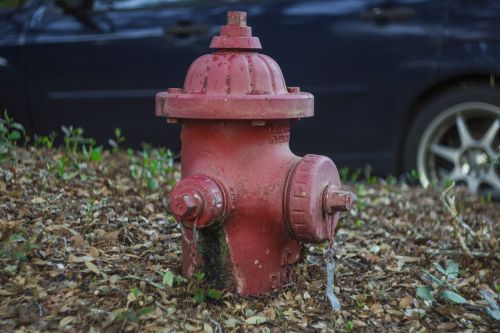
(462, 144)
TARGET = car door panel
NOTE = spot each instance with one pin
(356, 67)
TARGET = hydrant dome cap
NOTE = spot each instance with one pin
(235, 83)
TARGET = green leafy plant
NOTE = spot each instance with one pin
(152, 166)
(17, 248)
(92, 154)
(169, 278)
(391, 180)
(135, 297)
(347, 176)
(61, 168)
(127, 316)
(486, 198)
(355, 175)
(117, 140)
(200, 291)
(361, 301)
(344, 174)
(45, 141)
(10, 133)
(448, 183)
(359, 224)
(370, 179)
(11, 269)
(73, 139)
(443, 287)
(414, 175)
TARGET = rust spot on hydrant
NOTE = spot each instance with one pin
(245, 201)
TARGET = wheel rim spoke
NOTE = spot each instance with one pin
(492, 179)
(449, 154)
(463, 131)
(473, 184)
(489, 136)
(456, 174)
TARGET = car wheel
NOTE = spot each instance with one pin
(456, 136)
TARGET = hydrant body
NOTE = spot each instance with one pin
(245, 201)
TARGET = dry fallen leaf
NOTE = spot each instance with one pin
(73, 258)
(376, 308)
(405, 302)
(78, 240)
(92, 267)
(94, 252)
(54, 259)
(37, 200)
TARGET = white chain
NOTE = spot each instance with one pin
(330, 279)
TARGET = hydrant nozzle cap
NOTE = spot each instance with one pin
(198, 200)
(236, 35)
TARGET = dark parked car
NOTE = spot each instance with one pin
(398, 84)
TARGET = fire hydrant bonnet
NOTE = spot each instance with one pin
(235, 82)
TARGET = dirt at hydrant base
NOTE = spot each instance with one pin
(91, 254)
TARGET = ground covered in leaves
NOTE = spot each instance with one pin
(86, 246)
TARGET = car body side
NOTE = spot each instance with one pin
(367, 87)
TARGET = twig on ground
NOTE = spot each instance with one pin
(477, 254)
(448, 200)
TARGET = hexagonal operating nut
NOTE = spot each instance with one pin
(235, 18)
(197, 200)
(186, 205)
(337, 201)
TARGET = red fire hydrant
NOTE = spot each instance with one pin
(245, 201)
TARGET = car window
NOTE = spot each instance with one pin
(135, 4)
(69, 6)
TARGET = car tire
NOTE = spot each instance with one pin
(456, 136)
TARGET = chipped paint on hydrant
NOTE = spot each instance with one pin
(245, 201)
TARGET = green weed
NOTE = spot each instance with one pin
(441, 287)
(10, 133)
(201, 292)
(117, 140)
(45, 141)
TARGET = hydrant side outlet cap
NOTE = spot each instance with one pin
(235, 82)
(306, 214)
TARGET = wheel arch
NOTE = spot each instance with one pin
(425, 96)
